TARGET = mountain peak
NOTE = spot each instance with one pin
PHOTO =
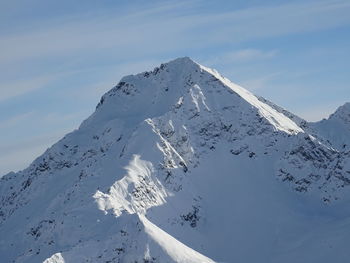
(344, 108)
(336, 128)
(182, 60)
(169, 158)
(342, 113)
(153, 93)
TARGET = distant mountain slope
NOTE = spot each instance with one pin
(336, 129)
(181, 165)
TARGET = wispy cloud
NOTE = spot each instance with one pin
(15, 120)
(240, 56)
(259, 82)
(20, 87)
(279, 20)
(157, 30)
(250, 54)
(163, 28)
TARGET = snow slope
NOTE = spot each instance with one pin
(181, 165)
(336, 128)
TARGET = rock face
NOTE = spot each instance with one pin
(181, 165)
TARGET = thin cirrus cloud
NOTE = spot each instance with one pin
(163, 30)
(251, 54)
(259, 82)
(157, 28)
(283, 19)
(15, 120)
(240, 56)
(19, 87)
(84, 33)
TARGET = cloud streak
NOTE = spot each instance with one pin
(156, 29)
(241, 56)
(20, 87)
(15, 120)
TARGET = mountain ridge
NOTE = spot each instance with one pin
(181, 154)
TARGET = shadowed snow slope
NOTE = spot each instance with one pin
(181, 165)
(336, 128)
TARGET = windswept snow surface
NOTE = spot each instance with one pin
(181, 165)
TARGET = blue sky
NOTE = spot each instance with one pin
(58, 57)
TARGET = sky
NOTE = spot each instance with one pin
(57, 58)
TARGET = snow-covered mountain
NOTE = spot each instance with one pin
(181, 165)
(336, 128)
